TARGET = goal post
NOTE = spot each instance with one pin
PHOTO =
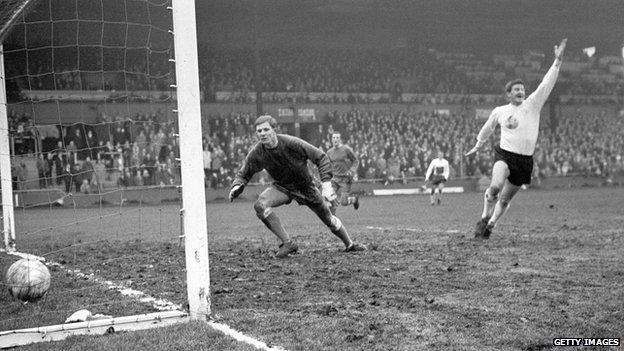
(106, 95)
(13, 9)
(8, 222)
(193, 192)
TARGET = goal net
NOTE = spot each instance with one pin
(93, 145)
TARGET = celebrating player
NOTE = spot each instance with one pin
(437, 173)
(285, 159)
(519, 122)
(344, 168)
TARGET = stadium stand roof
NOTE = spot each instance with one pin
(10, 10)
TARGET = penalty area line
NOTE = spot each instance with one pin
(159, 304)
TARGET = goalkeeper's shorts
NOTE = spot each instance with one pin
(309, 195)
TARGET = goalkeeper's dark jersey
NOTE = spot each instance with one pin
(286, 163)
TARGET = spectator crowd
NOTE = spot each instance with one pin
(327, 76)
(400, 75)
(114, 151)
(393, 145)
(398, 145)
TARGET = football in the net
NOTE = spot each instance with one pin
(28, 280)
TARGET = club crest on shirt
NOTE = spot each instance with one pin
(511, 122)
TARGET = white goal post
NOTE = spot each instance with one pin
(182, 28)
(193, 192)
(8, 222)
(190, 145)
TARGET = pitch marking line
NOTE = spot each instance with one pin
(159, 304)
(238, 336)
(450, 231)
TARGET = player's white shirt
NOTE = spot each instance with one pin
(437, 164)
(520, 124)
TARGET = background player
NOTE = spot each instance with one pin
(437, 174)
(344, 167)
(519, 122)
(285, 158)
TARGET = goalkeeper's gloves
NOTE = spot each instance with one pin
(328, 191)
(235, 191)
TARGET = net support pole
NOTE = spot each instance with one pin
(8, 215)
(193, 193)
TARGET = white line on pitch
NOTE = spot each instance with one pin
(412, 229)
(449, 231)
(378, 228)
(395, 228)
(159, 304)
(243, 338)
(26, 256)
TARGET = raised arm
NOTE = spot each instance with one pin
(540, 95)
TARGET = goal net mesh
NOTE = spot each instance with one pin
(94, 157)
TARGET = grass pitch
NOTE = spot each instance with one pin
(554, 267)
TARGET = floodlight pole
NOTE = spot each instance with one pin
(193, 193)
(8, 216)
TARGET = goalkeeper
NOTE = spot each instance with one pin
(285, 159)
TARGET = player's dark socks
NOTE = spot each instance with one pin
(275, 225)
(480, 228)
(356, 202)
(286, 249)
(488, 231)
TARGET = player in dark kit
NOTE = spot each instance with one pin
(285, 159)
(344, 168)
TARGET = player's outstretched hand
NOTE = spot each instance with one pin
(327, 190)
(472, 151)
(236, 190)
(560, 48)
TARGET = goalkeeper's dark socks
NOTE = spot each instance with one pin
(275, 225)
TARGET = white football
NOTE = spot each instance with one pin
(28, 280)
